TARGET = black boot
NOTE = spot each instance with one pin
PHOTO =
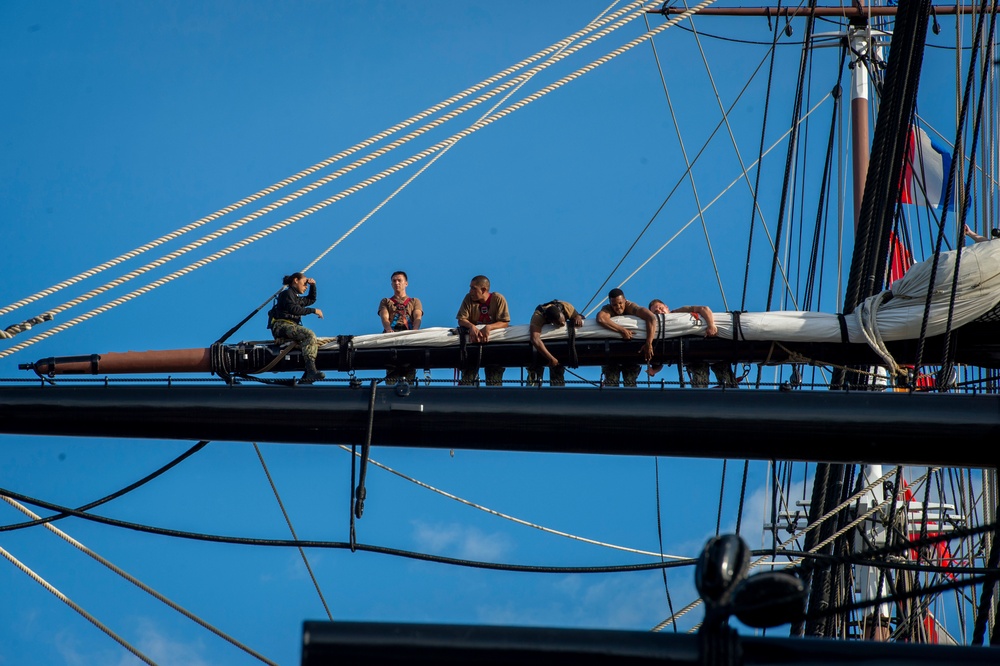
(312, 374)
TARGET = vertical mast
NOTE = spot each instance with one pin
(859, 40)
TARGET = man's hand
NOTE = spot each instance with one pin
(625, 333)
(647, 351)
(319, 313)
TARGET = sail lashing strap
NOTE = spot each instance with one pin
(842, 320)
(737, 326)
(345, 353)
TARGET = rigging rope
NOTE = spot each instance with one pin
(687, 161)
(316, 167)
(291, 529)
(670, 194)
(135, 581)
(509, 517)
(366, 182)
(107, 498)
(72, 604)
(710, 204)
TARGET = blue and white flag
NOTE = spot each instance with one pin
(925, 172)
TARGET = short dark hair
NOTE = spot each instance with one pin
(481, 281)
(288, 279)
(654, 302)
(553, 313)
(403, 273)
(615, 293)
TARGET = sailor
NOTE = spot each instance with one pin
(480, 313)
(616, 307)
(400, 312)
(556, 313)
(697, 371)
(979, 238)
(285, 320)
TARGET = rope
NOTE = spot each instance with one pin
(107, 498)
(687, 161)
(522, 81)
(365, 183)
(710, 204)
(72, 604)
(291, 529)
(670, 194)
(659, 536)
(865, 315)
(130, 578)
(809, 528)
(512, 518)
(339, 545)
(760, 156)
(950, 184)
(316, 167)
(792, 147)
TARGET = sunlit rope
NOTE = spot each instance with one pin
(358, 187)
(597, 21)
(796, 536)
(340, 172)
(72, 604)
(127, 576)
(505, 516)
(419, 172)
(732, 184)
(316, 167)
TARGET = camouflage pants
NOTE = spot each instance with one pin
(628, 372)
(723, 374)
(300, 334)
(557, 375)
(494, 376)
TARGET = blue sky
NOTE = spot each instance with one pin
(125, 121)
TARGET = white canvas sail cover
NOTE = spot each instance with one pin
(894, 314)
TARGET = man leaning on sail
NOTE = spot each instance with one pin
(481, 312)
(616, 307)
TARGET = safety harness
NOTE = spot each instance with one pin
(400, 320)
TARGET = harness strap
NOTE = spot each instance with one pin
(574, 360)
(484, 311)
(400, 312)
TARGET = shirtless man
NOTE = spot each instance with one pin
(697, 371)
(488, 310)
(617, 306)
